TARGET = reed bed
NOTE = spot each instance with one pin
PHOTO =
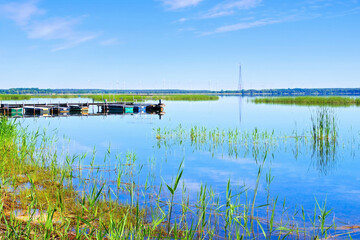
(117, 97)
(232, 142)
(14, 97)
(141, 98)
(321, 140)
(50, 195)
(310, 101)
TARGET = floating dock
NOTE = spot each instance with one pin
(76, 109)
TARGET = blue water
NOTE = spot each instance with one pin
(298, 178)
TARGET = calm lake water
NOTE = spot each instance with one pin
(301, 174)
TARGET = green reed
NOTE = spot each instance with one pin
(232, 141)
(324, 134)
(14, 97)
(116, 97)
(310, 101)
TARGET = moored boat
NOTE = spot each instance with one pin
(29, 110)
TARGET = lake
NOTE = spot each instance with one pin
(302, 173)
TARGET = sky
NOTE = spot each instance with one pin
(179, 44)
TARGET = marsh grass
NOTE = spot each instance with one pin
(230, 142)
(49, 196)
(319, 141)
(38, 194)
(117, 97)
(310, 101)
(14, 97)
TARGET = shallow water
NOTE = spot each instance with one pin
(299, 176)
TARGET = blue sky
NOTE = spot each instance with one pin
(186, 44)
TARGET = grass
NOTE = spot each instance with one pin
(117, 97)
(48, 195)
(310, 101)
(14, 97)
(39, 198)
(141, 98)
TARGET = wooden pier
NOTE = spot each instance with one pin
(71, 108)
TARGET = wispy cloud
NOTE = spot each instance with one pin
(181, 20)
(57, 28)
(21, 13)
(245, 25)
(61, 28)
(255, 13)
(230, 7)
(178, 4)
(109, 42)
(74, 43)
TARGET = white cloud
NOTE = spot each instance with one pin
(230, 7)
(109, 42)
(178, 4)
(74, 43)
(242, 4)
(245, 25)
(181, 20)
(60, 28)
(21, 13)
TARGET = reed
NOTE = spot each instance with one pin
(141, 98)
(310, 101)
(117, 97)
(14, 97)
(324, 134)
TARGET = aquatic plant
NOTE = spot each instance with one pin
(117, 97)
(324, 132)
(233, 142)
(310, 100)
(14, 97)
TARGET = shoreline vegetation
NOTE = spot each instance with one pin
(116, 97)
(310, 101)
(50, 195)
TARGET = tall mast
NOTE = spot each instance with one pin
(240, 79)
(239, 89)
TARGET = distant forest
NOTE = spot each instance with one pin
(250, 92)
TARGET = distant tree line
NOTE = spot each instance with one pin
(250, 92)
(296, 92)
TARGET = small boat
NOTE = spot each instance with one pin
(138, 108)
(116, 108)
(60, 110)
(37, 110)
(78, 108)
(154, 108)
(120, 108)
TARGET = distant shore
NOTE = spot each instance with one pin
(152, 92)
